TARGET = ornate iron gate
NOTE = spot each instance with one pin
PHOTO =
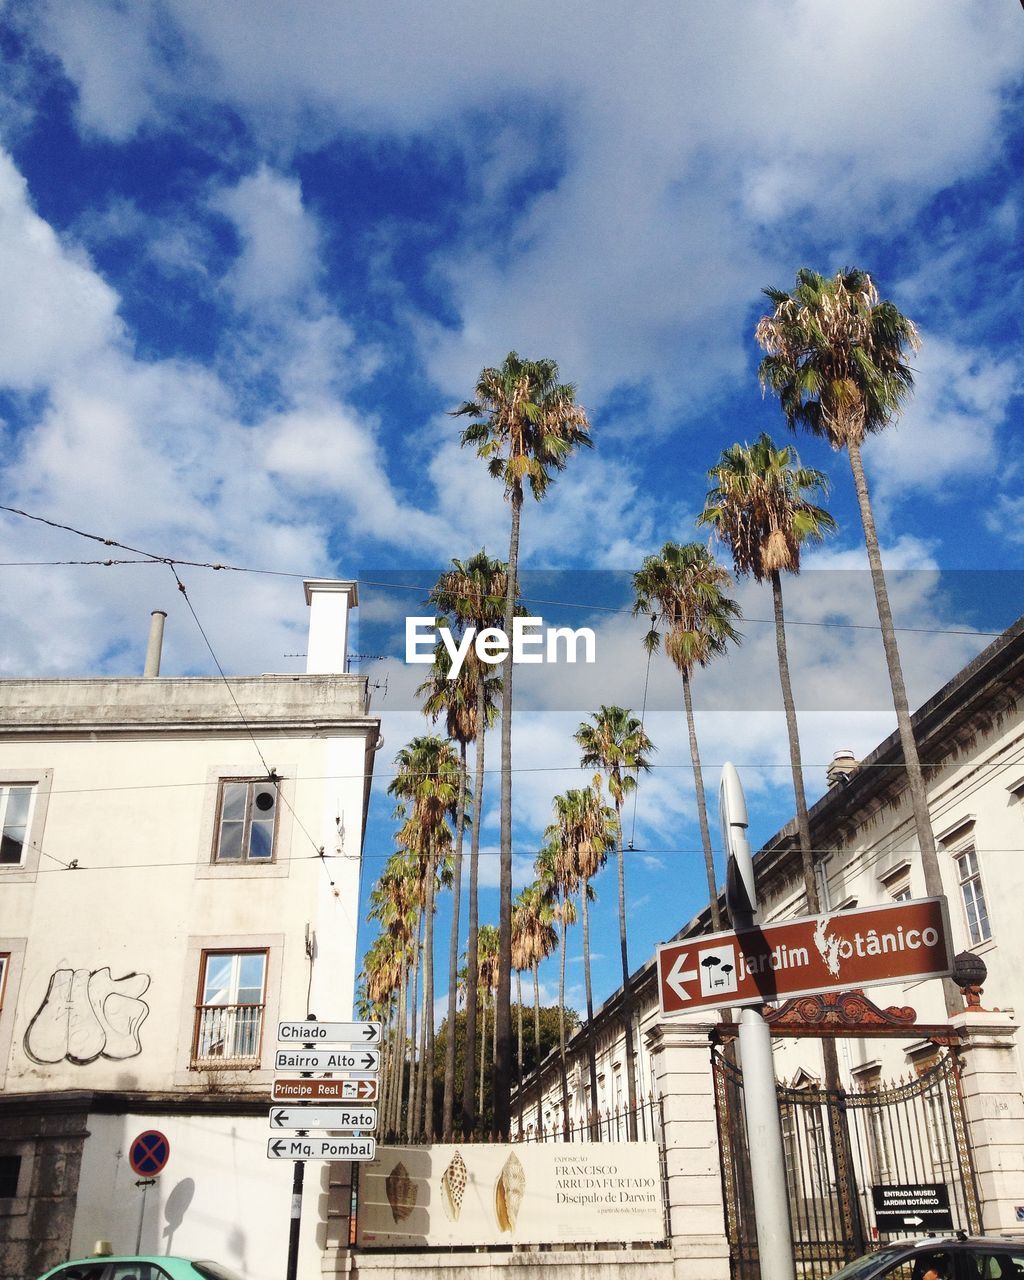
(838, 1145)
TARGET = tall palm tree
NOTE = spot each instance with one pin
(683, 589)
(457, 700)
(534, 932)
(582, 832)
(486, 978)
(761, 507)
(394, 903)
(427, 785)
(616, 743)
(472, 593)
(558, 880)
(526, 426)
(837, 360)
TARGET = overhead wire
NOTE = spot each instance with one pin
(424, 591)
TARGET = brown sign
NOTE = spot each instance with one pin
(324, 1090)
(864, 947)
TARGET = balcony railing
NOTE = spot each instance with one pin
(227, 1034)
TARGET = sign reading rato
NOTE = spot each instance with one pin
(863, 947)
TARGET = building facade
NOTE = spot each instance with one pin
(971, 741)
(179, 869)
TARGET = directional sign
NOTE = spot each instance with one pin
(864, 947)
(330, 1032)
(321, 1148)
(323, 1117)
(325, 1090)
(913, 1207)
(149, 1153)
(327, 1060)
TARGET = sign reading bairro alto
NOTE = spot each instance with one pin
(863, 947)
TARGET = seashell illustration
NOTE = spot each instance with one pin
(453, 1186)
(508, 1193)
(401, 1192)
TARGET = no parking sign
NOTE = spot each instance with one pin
(149, 1153)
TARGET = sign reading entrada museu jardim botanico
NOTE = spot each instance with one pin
(862, 947)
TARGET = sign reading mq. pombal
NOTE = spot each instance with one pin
(862, 947)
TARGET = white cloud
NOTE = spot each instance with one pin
(55, 312)
(279, 258)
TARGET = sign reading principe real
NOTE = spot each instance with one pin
(511, 1193)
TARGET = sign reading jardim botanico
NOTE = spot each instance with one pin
(834, 951)
(511, 1193)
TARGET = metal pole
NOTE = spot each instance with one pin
(293, 1230)
(145, 1184)
(760, 1101)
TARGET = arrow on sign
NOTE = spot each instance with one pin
(277, 1147)
(677, 975)
(913, 1222)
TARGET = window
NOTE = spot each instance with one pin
(10, 1170)
(5, 961)
(246, 822)
(975, 907)
(901, 892)
(15, 808)
(229, 1017)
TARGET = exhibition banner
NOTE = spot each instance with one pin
(511, 1193)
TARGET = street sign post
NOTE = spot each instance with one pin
(323, 1117)
(324, 1091)
(321, 1148)
(330, 1032)
(296, 1090)
(912, 1207)
(346, 1060)
(863, 947)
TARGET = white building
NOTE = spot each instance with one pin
(180, 868)
(971, 741)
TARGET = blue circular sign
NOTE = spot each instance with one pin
(149, 1153)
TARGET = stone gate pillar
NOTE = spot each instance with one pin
(681, 1064)
(991, 1082)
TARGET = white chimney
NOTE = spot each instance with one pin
(329, 601)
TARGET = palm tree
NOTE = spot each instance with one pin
(683, 590)
(427, 784)
(457, 700)
(486, 975)
(583, 831)
(836, 358)
(616, 743)
(761, 508)
(472, 593)
(394, 903)
(526, 426)
(535, 937)
(558, 881)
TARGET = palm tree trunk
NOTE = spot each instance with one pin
(469, 1111)
(702, 808)
(448, 1105)
(591, 1056)
(519, 1006)
(414, 1061)
(627, 997)
(793, 733)
(503, 994)
(428, 1000)
(911, 760)
(561, 1027)
(483, 1050)
(399, 1093)
(536, 1042)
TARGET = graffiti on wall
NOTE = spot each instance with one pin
(86, 1015)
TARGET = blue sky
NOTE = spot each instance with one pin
(251, 255)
